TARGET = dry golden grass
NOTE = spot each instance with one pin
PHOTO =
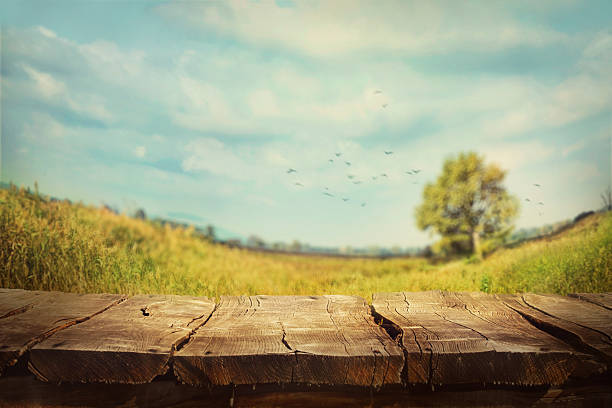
(61, 246)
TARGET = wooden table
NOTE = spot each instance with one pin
(418, 349)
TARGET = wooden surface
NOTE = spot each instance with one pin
(130, 343)
(15, 301)
(28, 392)
(418, 349)
(584, 325)
(290, 339)
(463, 338)
(600, 299)
(35, 318)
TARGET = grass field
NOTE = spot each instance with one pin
(70, 247)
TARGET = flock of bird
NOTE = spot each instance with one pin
(411, 172)
(539, 203)
(351, 177)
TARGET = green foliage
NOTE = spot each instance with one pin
(485, 284)
(61, 246)
(468, 206)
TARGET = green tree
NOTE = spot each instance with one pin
(467, 205)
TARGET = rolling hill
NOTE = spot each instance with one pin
(58, 245)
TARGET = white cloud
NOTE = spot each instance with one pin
(46, 32)
(263, 103)
(583, 171)
(41, 128)
(48, 86)
(512, 156)
(258, 199)
(209, 154)
(581, 95)
(597, 56)
(283, 98)
(579, 145)
(108, 60)
(140, 151)
(332, 28)
(56, 92)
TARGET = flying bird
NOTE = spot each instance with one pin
(299, 184)
(384, 175)
(338, 154)
(416, 171)
(528, 200)
(378, 91)
(328, 194)
(385, 105)
(291, 171)
(540, 203)
(537, 185)
(345, 199)
(347, 163)
(363, 204)
(331, 160)
(408, 172)
(388, 152)
(351, 176)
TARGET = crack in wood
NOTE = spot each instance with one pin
(49, 333)
(461, 325)
(373, 371)
(562, 334)
(18, 310)
(345, 341)
(178, 345)
(587, 299)
(607, 339)
(283, 338)
(380, 340)
(396, 333)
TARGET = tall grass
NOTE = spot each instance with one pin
(71, 247)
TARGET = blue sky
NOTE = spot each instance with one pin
(195, 110)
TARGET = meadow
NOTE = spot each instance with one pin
(57, 245)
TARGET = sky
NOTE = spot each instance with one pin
(195, 111)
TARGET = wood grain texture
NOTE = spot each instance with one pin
(45, 314)
(130, 343)
(601, 299)
(585, 325)
(15, 301)
(290, 339)
(462, 338)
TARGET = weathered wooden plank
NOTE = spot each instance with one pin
(130, 343)
(461, 338)
(49, 313)
(585, 325)
(602, 299)
(15, 301)
(290, 339)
